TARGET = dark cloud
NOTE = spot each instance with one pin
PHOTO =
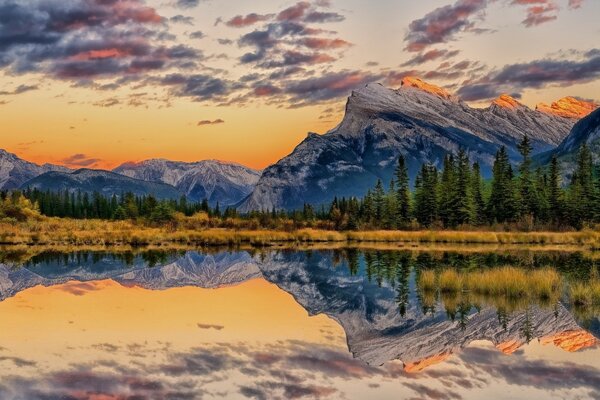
(322, 17)
(85, 40)
(198, 87)
(79, 160)
(203, 123)
(197, 35)
(19, 90)
(241, 21)
(442, 24)
(186, 4)
(182, 19)
(328, 86)
(430, 56)
(534, 74)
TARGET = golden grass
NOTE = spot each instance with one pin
(509, 282)
(585, 294)
(427, 281)
(56, 231)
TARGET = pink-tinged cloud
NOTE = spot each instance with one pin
(325, 44)
(80, 161)
(442, 24)
(573, 4)
(241, 21)
(539, 11)
(295, 12)
(266, 90)
(209, 122)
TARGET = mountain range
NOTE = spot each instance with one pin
(419, 120)
(216, 181)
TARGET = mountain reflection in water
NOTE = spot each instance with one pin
(104, 326)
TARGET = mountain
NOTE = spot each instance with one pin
(216, 181)
(15, 171)
(419, 120)
(105, 182)
(587, 130)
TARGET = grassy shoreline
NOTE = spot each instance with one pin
(66, 232)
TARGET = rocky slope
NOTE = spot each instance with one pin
(587, 131)
(419, 120)
(216, 181)
(15, 171)
(104, 182)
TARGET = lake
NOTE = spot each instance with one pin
(290, 324)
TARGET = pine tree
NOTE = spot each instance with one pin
(402, 192)
(448, 194)
(379, 201)
(478, 216)
(555, 193)
(426, 201)
(464, 200)
(527, 196)
(502, 206)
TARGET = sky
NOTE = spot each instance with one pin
(95, 83)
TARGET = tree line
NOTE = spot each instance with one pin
(455, 196)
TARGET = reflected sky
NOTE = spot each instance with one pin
(249, 333)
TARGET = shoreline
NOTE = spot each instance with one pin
(65, 232)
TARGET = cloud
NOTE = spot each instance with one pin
(325, 44)
(534, 74)
(182, 19)
(202, 123)
(84, 40)
(241, 21)
(431, 55)
(211, 326)
(538, 11)
(295, 12)
(574, 4)
(328, 86)
(79, 160)
(442, 24)
(197, 35)
(186, 4)
(197, 86)
(19, 90)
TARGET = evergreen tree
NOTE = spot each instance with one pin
(478, 216)
(502, 206)
(402, 192)
(555, 192)
(527, 195)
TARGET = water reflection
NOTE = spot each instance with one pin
(103, 331)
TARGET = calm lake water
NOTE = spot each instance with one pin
(283, 324)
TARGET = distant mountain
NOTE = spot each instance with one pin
(421, 121)
(216, 181)
(105, 182)
(15, 171)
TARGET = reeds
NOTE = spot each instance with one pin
(509, 282)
